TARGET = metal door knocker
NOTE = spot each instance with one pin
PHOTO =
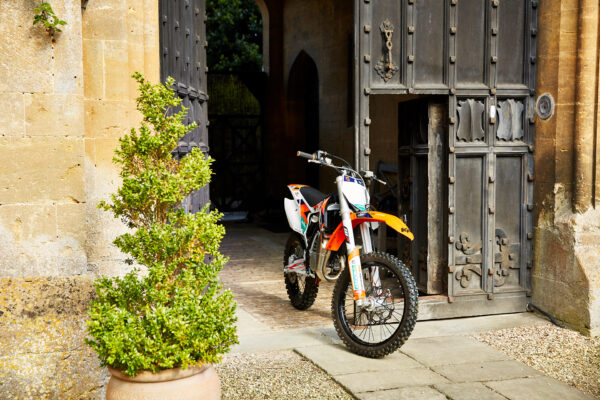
(385, 67)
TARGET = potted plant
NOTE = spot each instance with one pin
(169, 318)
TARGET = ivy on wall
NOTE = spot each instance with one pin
(45, 14)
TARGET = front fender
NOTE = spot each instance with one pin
(338, 236)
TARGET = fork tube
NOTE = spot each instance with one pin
(365, 233)
(358, 286)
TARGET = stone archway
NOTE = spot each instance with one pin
(303, 115)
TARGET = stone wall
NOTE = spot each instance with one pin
(119, 37)
(566, 276)
(42, 191)
(66, 100)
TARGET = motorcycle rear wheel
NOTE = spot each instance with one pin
(382, 330)
(301, 289)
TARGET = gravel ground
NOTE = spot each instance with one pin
(560, 353)
(275, 375)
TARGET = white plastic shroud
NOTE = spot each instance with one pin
(355, 192)
(292, 212)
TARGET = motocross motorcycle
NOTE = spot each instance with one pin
(374, 305)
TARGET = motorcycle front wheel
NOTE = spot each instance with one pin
(383, 327)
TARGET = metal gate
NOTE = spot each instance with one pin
(479, 56)
(183, 57)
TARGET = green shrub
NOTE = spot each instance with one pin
(176, 314)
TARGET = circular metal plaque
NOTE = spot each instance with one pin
(544, 106)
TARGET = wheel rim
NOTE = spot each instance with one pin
(379, 324)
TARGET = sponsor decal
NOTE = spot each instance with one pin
(363, 215)
(356, 278)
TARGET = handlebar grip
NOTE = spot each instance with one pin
(306, 155)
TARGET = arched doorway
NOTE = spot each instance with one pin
(303, 116)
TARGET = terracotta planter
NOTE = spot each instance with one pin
(193, 383)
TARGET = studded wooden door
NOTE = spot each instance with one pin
(183, 57)
(479, 55)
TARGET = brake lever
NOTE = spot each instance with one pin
(382, 182)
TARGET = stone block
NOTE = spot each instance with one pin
(468, 391)
(25, 298)
(136, 64)
(68, 52)
(561, 300)
(151, 41)
(31, 245)
(116, 67)
(569, 20)
(135, 21)
(53, 115)
(12, 117)
(104, 153)
(104, 20)
(410, 393)
(102, 230)
(26, 222)
(537, 388)
(544, 158)
(42, 331)
(42, 170)
(106, 119)
(566, 71)
(447, 350)
(485, 371)
(27, 47)
(588, 258)
(70, 222)
(116, 267)
(93, 68)
(547, 78)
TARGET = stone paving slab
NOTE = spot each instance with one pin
(337, 360)
(450, 350)
(385, 380)
(277, 340)
(486, 371)
(468, 391)
(542, 388)
(410, 393)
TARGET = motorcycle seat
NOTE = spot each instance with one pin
(312, 195)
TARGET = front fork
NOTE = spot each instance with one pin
(354, 265)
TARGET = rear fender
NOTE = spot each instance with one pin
(338, 236)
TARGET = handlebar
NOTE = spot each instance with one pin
(322, 158)
(306, 155)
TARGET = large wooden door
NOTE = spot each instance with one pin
(183, 57)
(480, 55)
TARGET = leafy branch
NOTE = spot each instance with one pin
(45, 14)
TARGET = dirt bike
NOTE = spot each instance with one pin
(375, 298)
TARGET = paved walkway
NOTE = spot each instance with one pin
(439, 361)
